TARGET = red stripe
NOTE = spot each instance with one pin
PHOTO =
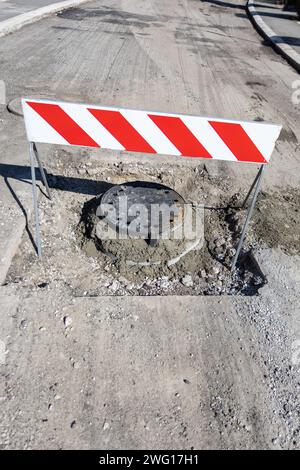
(180, 136)
(122, 130)
(238, 141)
(54, 115)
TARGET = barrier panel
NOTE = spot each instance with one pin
(149, 132)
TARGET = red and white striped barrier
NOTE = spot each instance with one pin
(148, 132)
(130, 130)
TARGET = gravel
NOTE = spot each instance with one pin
(187, 281)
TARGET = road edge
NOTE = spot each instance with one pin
(284, 49)
(12, 246)
(17, 22)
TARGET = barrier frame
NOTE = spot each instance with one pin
(34, 155)
(35, 159)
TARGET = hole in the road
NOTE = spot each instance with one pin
(169, 265)
(77, 256)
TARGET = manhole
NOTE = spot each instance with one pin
(15, 107)
(142, 210)
(142, 224)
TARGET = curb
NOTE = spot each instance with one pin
(12, 245)
(17, 22)
(284, 49)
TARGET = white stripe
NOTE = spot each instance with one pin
(150, 132)
(38, 130)
(91, 126)
(264, 136)
(208, 137)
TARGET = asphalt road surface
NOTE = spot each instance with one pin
(11, 8)
(199, 372)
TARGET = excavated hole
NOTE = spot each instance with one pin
(204, 271)
(74, 258)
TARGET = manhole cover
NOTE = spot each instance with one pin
(142, 224)
(15, 107)
(142, 209)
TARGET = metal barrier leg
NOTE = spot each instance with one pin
(252, 186)
(249, 213)
(35, 203)
(41, 170)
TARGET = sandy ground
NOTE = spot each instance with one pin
(83, 367)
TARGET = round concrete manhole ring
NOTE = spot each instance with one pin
(153, 244)
(15, 107)
(158, 208)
